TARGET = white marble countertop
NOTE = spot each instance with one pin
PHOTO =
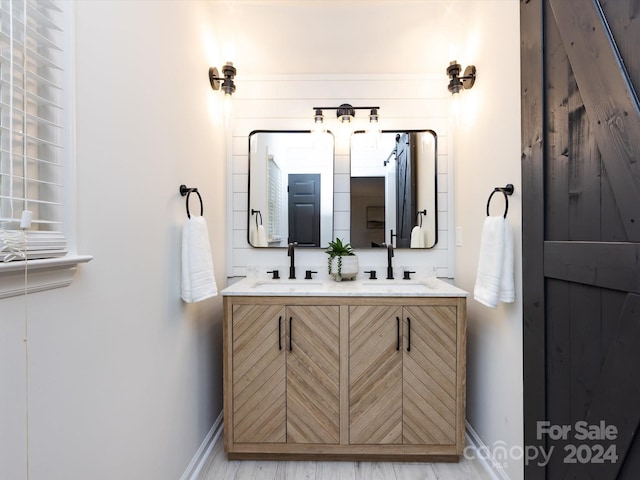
(419, 287)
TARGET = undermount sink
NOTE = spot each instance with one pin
(409, 286)
(286, 285)
(372, 286)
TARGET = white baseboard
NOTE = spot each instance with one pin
(204, 451)
(493, 468)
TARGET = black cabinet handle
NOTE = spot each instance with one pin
(408, 334)
(280, 332)
(290, 334)
(398, 332)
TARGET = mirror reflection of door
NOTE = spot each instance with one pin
(393, 190)
(278, 160)
(403, 164)
(405, 189)
(304, 209)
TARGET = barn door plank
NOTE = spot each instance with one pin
(610, 265)
(616, 396)
(531, 28)
(623, 18)
(631, 467)
(612, 227)
(558, 312)
(609, 98)
(583, 200)
(557, 70)
(584, 171)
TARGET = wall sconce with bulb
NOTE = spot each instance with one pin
(457, 82)
(345, 113)
(228, 72)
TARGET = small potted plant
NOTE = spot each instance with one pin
(343, 262)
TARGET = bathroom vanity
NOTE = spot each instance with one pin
(344, 370)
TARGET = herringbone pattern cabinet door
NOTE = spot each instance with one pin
(313, 374)
(375, 375)
(429, 376)
(259, 374)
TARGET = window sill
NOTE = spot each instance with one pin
(45, 274)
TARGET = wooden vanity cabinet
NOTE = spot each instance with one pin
(259, 374)
(285, 374)
(344, 377)
(402, 375)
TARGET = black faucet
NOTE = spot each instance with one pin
(292, 266)
(389, 263)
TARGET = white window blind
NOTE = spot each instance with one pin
(274, 192)
(31, 124)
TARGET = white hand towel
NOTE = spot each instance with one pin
(494, 280)
(198, 281)
(253, 234)
(417, 237)
(261, 237)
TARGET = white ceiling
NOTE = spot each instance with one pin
(347, 37)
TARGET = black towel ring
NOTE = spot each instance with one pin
(420, 214)
(184, 190)
(506, 191)
(253, 212)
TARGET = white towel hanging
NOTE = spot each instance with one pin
(494, 280)
(198, 280)
(418, 233)
(253, 234)
(417, 237)
(261, 237)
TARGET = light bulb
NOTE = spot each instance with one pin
(228, 108)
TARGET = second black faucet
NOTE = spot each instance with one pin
(292, 265)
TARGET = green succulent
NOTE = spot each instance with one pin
(338, 249)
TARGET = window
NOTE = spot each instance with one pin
(34, 124)
(274, 192)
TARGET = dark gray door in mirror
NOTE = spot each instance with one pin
(290, 188)
(394, 189)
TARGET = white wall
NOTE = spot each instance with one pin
(284, 102)
(487, 153)
(281, 83)
(124, 379)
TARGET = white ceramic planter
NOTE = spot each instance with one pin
(350, 268)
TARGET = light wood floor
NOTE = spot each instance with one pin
(219, 468)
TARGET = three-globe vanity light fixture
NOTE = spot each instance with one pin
(345, 113)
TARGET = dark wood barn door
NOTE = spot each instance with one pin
(580, 65)
(405, 188)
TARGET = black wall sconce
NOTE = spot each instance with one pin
(228, 72)
(457, 82)
(345, 113)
